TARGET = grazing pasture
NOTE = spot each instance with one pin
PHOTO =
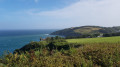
(95, 40)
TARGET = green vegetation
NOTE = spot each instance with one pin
(85, 36)
(111, 34)
(86, 30)
(108, 40)
(59, 52)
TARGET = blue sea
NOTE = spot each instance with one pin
(15, 39)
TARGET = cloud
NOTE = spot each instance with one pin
(91, 12)
(86, 7)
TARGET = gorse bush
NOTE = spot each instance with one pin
(63, 54)
(31, 46)
(106, 55)
(53, 43)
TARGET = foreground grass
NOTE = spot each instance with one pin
(95, 40)
(98, 54)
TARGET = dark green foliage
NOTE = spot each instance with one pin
(31, 46)
(83, 36)
(58, 45)
(66, 32)
(107, 35)
(51, 43)
(41, 39)
(56, 39)
(111, 34)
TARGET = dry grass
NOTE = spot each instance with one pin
(86, 30)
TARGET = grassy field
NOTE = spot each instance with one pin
(86, 30)
(95, 40)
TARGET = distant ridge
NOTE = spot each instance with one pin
(77, 31)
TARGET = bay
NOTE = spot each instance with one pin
(15, 39)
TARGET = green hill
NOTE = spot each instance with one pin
(77, 31)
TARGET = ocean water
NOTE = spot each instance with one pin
(15, 39)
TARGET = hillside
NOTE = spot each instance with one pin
(77, 31)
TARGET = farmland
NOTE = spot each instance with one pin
(112, 40)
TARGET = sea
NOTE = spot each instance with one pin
(15, 39)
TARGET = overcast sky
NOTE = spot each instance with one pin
(57, 14)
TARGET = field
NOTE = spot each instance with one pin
(86, 30)
(111, 40)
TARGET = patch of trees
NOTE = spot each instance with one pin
(111, 34)
(94, 35)
(66, 32)
(83, 36)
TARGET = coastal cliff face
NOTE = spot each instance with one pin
(77, 31)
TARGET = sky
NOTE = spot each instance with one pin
(58, 14)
